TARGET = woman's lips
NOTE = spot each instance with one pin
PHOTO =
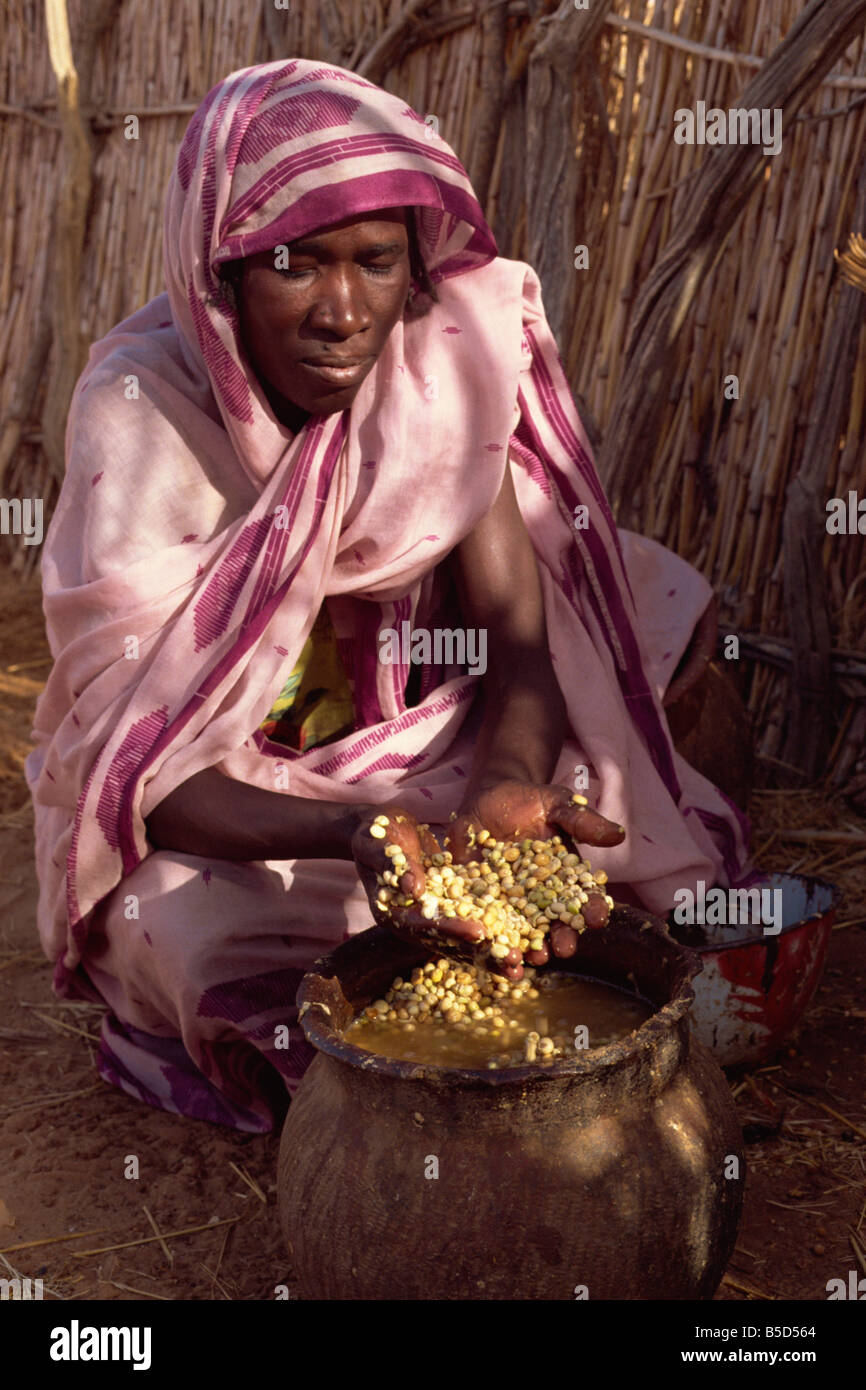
(339, 376)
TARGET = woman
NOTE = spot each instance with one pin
(344, 421)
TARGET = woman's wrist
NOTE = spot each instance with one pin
(328, 830)
(521, 738)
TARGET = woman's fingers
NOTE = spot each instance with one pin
(405, 834)
(452, 928)
(447, 936)
(539, 957)
(373, 843)
(413, 882)
(595, 911)
(512, 965)
(427, 841)
(462, 930)
(512, 972)
(563, 941)
(587, 827)
(460, 840)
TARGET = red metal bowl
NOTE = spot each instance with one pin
(755, 988)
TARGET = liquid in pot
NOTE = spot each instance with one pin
(479, 1020)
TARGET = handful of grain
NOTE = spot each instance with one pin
(515, 891)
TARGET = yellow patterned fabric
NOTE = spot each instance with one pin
(315, 704)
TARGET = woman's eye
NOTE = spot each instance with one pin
(374, 269)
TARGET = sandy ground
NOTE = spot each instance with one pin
(66, 1138)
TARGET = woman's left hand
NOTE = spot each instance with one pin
(520, 810)
(371, 847)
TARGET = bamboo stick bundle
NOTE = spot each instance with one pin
(496, 174)
(194, 77)
(10, 328)
(590, 308)
(146, 279)
(673, 480)
(252, 38)
(847, 475)
(468, 44)
(607, 344)
(222, 21)
(855, 136)
(118, 238)
(684, 532)
(10, 155)
(169, 138)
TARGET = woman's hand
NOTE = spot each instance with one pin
(453, 936)
(518, 811)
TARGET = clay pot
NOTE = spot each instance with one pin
(604, 1172)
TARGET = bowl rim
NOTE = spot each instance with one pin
(819, 916)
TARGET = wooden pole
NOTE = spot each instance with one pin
(73, 200)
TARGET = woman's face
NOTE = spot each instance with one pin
(343, 291)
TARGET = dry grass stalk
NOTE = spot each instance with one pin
(750, 1289)
(51, 1240)
(857, 1248)
(250, 1182)
(165, 1235)
(142, 1293)
(66, 1027)
(44, 1102)
(158, 1233)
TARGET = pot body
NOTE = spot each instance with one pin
(601, 1177)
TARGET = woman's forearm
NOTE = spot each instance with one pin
(524, 727)
(211, 814)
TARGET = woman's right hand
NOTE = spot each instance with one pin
(453, 936)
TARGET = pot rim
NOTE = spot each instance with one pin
(324, 1036)
(813, 919)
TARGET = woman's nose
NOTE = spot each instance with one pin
(340, 306)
